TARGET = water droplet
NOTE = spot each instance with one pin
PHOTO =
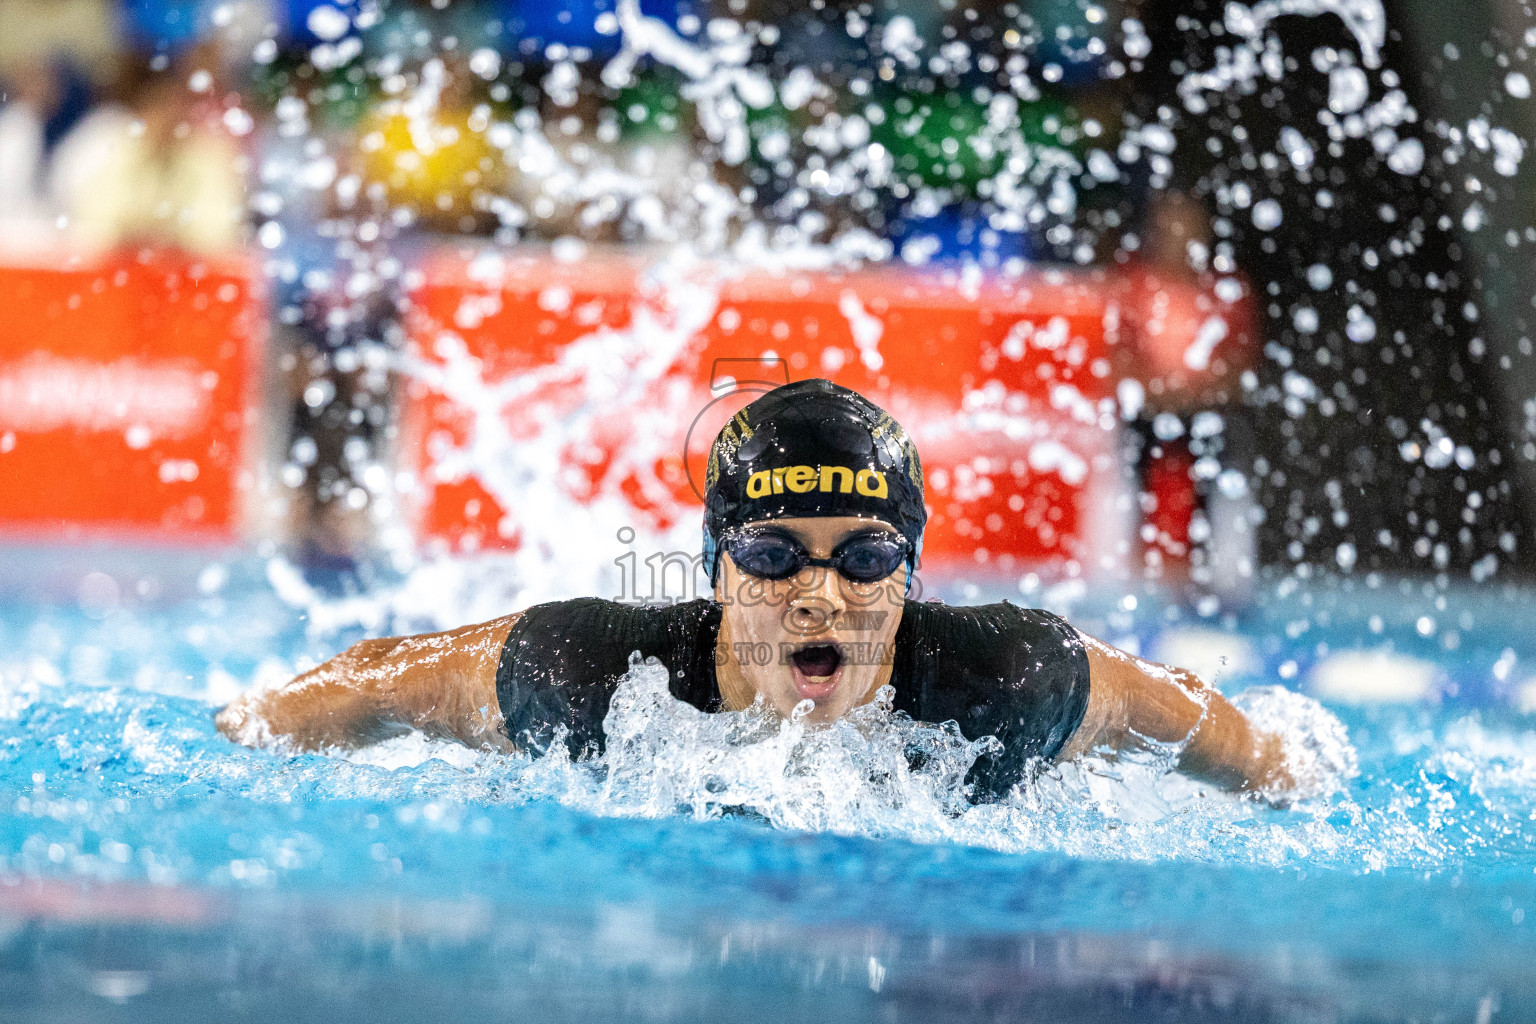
(1232, 484)
(1348, 90)
(485, 63)
(327, 23)
(238, 121)
(1359, 325)
(1266, 214)
(1407, 157)
(1508, 151)
(1296, 148)
(1167, 427)
(213, 577)
(1345, 555)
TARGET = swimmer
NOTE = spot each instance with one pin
(813, 525)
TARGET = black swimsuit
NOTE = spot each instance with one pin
(1015, 673)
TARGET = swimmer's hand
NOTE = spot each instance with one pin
(1131, 700)
(1272, 777)
(242, 723)
(441, 683)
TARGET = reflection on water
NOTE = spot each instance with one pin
(326, 959)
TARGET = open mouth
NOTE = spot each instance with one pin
(817, 669)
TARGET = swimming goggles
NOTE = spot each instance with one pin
(864, 558)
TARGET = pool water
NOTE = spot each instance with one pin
(150, 869)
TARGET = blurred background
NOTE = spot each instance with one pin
(1180, 301)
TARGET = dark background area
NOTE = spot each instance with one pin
(1329, 469)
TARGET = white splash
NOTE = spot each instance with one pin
(867, 329)
(1212, 333)
(1351, 112)
(721, 85)
(856, 776)
(877, 773)
(1365, 19)
(1317, 748)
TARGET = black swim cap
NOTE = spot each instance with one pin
(812, 448)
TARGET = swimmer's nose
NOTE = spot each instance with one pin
(815, 603)
(809, 618)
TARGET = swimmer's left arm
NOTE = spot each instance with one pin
(1130, 698)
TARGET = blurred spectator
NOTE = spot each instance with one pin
(31, 94)
(1193, 333)
(43, 100)
(156, 167)
(341, 406)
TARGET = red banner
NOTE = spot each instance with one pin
(123, 398)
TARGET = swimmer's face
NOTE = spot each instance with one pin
(816, 636)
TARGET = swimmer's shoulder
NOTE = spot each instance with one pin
(993, 663)
(935, 622)
(587, 642)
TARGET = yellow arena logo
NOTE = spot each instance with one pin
(804, 479)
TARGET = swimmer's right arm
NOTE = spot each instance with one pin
(441, 683)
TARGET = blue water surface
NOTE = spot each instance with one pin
(151, 869)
